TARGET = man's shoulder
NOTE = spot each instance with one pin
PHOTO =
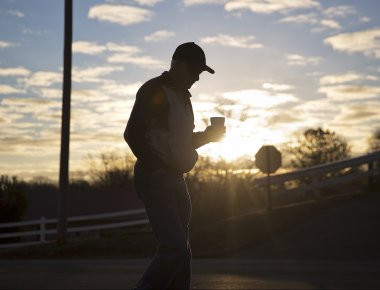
(152, 86)
(152, 93)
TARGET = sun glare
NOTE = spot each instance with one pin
(241, 141)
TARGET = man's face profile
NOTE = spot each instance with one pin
(188, 75)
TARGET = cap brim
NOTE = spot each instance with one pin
(209, 69)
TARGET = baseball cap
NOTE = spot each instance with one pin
(193, 55)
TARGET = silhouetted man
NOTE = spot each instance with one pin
(160, 134)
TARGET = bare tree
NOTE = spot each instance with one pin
(318, 146)
(374, 141)
(110, 168)
(227, 108)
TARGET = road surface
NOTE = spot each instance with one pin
(207, 274)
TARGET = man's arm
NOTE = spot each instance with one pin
(211, 134)
(199, 139)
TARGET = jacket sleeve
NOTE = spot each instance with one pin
(199, 139)
(150, 106)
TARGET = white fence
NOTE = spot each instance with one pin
(316, 176)
(43, 231)
(322, 176)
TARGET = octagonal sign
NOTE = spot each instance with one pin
(268, 159)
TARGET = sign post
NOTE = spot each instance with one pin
(268, 160)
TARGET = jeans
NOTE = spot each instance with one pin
(168, 206)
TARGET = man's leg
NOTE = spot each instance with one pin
(159, 194)
(183, 277)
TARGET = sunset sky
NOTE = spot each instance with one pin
(281, 66)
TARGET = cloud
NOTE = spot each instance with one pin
(320, 106)
(120, 14)
(352, 120)
(84, 96)
(350, 92)
(232, 41)
(14, 71)
(354, 113)
(8, 115)
(147, 2)
(299, 60)
(35, 31)
(365, 41)
(313, 19)
(339, 11)
(6, 44)
(16, 144)
(93, 48)
(5, 89)
(93, 74)
(25, 101)
(314, 74)
(121, 90)
(323, 19)
(364, 19)
(259, 98)
(122, 53)
(49, 93)
(284, 117)
(37, 107)
(143, 61)
(16, 13)
(277, 87)
(310, 18)
(199, 2)
(159, 36)
(345, 78)
(43, 79)
(116, 47)
(204, 106)
(330, 23)
(269, 6)
(4, 119)
(371, 78)
(109, 89)
(96, 124)
(311, 113)
(88, 47)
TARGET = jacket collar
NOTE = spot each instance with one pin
(171, 84)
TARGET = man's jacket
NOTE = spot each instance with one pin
(160, 128)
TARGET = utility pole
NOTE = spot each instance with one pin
(65, 125)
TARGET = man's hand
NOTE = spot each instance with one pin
(215, 133)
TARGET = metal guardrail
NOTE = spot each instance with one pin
(42, 223)
(317, 176)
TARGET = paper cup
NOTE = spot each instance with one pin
(217, 121)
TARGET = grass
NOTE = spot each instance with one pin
(215, 240)
(227, 237)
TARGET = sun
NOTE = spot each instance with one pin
(234, 146)
(242, 141)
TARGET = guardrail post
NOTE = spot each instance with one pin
(370, 174)
(316, 193)
(43, 230)
(269, 193)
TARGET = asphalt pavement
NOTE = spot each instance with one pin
(207, 274)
